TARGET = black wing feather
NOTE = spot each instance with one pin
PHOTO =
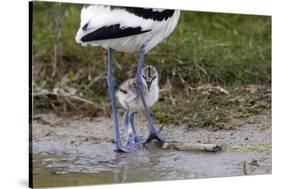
(148, 13)
(112, 32)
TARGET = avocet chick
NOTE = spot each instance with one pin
(129, 97)
(131, 101)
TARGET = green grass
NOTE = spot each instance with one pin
(221, 49)
(213, 110)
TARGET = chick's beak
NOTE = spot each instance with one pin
(148, 83)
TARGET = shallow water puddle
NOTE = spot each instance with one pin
(143, 165)
(64, 170)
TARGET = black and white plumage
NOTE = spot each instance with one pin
(125, 29)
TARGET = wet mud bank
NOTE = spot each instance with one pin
(79, 151)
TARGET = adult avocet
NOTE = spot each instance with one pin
(126, 29)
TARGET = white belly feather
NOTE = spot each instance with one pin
(100, 16)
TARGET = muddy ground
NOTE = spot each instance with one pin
(79, 151)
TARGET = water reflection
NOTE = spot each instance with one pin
(65, 169)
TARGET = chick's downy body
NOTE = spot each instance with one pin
(129, 97)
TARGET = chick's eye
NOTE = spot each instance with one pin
(153, 78)
(144, 77)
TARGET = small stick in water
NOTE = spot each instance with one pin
(192, 147)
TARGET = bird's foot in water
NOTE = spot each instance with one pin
(119, 147)
(130, 144)
(153, 134)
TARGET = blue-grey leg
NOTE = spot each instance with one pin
(129, 140)
(136, 137)
(125, 124)
(153, 134)
(111, 84)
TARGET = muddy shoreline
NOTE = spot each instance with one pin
(79, 151)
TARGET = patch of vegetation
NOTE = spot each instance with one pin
(213, 107)
(228, 50)
(250, 147)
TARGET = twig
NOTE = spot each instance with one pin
(40, 119)
(245, 168)
(56, 28)
(192, 147)
(62, 93)
(167, 87)
(82, 99)
(161, 128)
